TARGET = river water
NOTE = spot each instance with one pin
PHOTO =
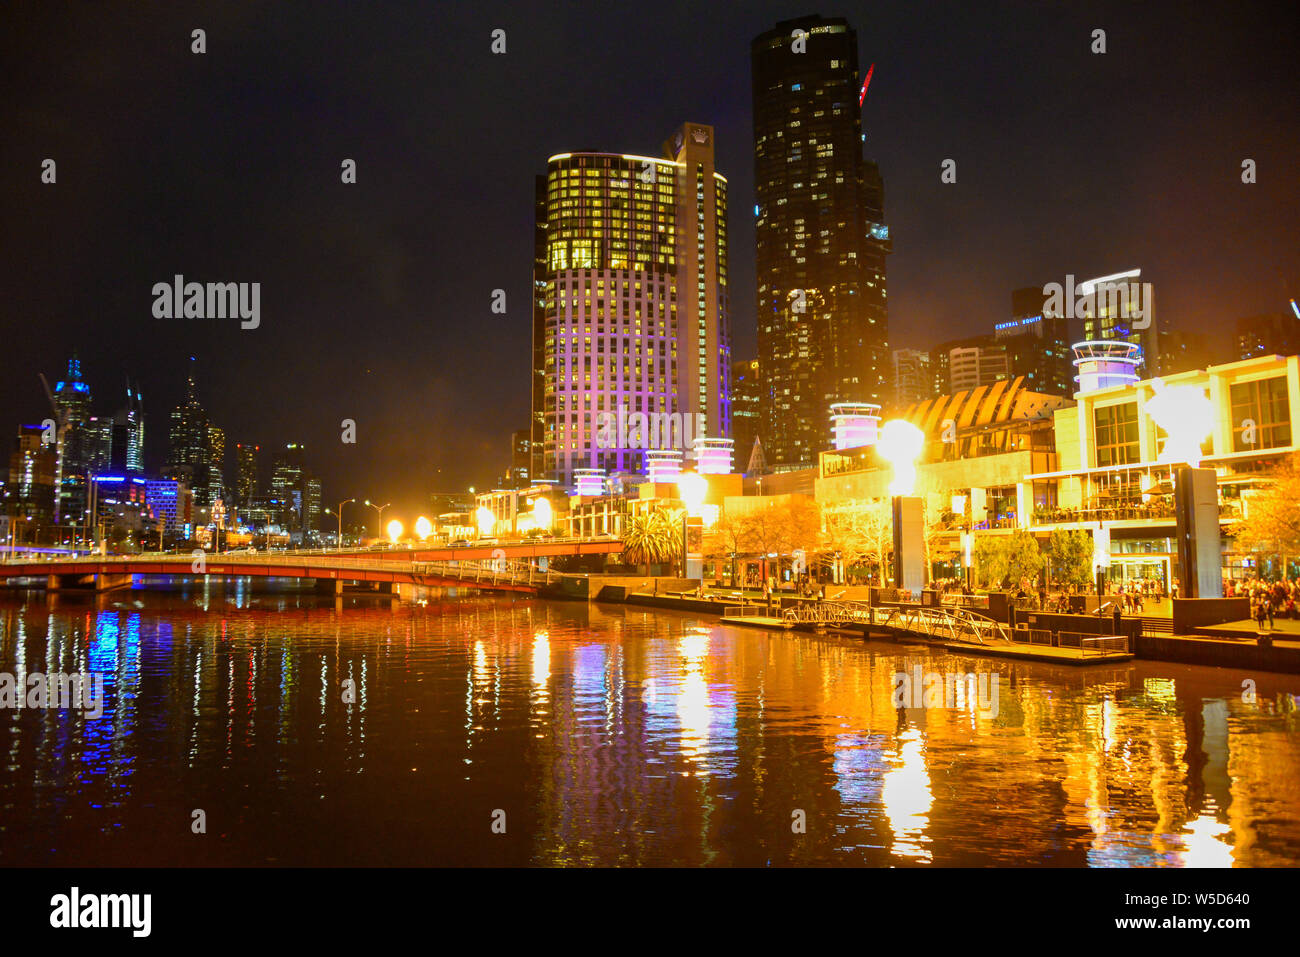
(248, 725)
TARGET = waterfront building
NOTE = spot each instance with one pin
(821, 237)
(1026, 460)
(632, 314)
(171, 503)
(516, 512)
(1120, 307)
(122, 513)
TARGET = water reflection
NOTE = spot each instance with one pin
(366, 731)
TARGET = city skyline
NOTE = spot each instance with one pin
(584, 436)
(373, 272)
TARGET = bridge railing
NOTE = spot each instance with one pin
(496, 570)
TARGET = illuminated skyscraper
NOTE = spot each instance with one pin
(821, 237)
(127, 441)
(80, 447)
(631, 310)
(246, 486)
(217, 462)
(189, 454)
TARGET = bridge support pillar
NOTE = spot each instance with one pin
(329, 586)
(106, 582)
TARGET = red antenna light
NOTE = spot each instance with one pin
(865, 83)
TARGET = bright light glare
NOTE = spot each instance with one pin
(395, 529)
(542, 515)
(485, 519)
(1187, 416)
(900, 444)
(692, 487)
(423, 528)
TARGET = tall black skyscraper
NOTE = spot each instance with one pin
(821, 237)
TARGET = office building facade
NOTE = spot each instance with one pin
(1037, 343)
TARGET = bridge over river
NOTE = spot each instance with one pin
(512, 567)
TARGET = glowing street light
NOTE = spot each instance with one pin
(379, 508)
(395, 530)
(423, 528)
(900, 444)
(486, 521)
(339, 514)
(1187, 416)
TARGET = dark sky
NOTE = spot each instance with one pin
(375, 297)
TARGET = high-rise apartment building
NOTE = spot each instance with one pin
(821, 237)
(246, 465)
(964, 364)
(631, 308)
(1037, 344)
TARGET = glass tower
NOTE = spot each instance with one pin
(821, 237)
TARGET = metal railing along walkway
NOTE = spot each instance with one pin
(954, 624)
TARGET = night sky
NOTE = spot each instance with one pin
(376, 297)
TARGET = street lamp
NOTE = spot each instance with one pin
(266, 535)
(380, 509)
(339, 515)
(395, 530)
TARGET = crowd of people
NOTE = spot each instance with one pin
(1268, 600)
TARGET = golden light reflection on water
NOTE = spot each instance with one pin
(906, 798)
(617, 735)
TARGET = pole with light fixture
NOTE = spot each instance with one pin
(900, 443)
